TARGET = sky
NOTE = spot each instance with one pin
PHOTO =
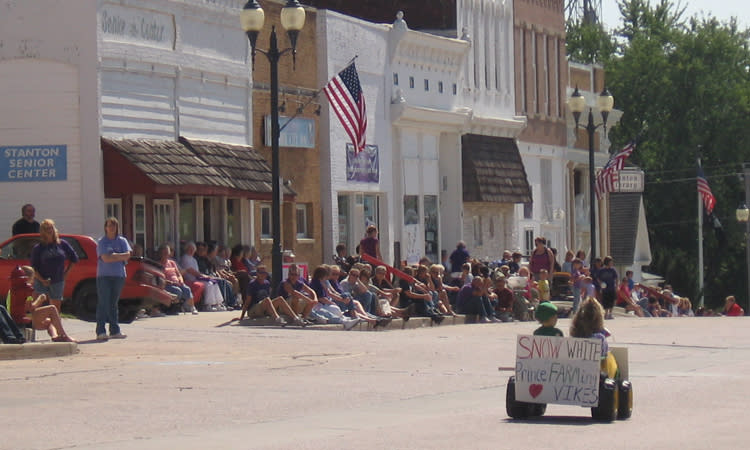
(721, 9)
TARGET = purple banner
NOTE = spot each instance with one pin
(365, 166)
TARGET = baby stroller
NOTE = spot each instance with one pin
(523, 309)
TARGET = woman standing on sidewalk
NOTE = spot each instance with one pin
(48, 258)
(113, 252)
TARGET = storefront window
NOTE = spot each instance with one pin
(371, 207)
(114, 208)
(411, 210)
(163, 223)
(187, 219)
(234, 222)
(265, 221)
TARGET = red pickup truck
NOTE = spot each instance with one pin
(144, 286)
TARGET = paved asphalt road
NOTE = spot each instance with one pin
(186, 382)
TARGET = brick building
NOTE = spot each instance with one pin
(301, 215)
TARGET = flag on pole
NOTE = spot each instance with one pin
(709, 201)
(610, 174)
(345, 95)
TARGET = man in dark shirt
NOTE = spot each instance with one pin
(259, 303)
(459, 256)
(472, 299)
(26, 224)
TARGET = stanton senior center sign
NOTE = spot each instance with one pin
(34, 163)
(558, 370)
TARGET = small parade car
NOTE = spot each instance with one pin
(569, 371)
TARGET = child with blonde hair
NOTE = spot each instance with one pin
(588, 322)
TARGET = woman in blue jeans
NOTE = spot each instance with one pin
(113, 252)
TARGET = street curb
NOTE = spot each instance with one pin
(399, 324)
(37, 350)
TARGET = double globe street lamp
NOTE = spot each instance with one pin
(292, 18)
(604, 103)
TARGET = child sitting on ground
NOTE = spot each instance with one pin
(546, 314)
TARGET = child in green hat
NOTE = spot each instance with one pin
(546, 314)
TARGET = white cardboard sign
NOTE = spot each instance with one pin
(558, 370)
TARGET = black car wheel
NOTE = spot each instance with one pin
(84, 301)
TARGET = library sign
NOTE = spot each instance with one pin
(34, 163)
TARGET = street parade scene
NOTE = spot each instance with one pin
(285, 224)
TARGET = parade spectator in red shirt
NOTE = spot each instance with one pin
(731, 308)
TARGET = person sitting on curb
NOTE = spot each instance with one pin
(655, 309)
(625, 299)
(504, 299)
(472, 300)
(326, 306)
(731, 308)
(345, 300)
(46, 317)
(380, 281)
(383, 298)
(299, 295)
(259, 303)
(415, 299)
(546, 314)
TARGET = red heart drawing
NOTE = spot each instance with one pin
(535, 390)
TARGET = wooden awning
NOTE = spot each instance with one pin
(188, 166)
(492, 170)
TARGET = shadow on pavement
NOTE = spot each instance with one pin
(558, 420)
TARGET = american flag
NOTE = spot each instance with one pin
(345, 94)
(709, 201)
(610, 174)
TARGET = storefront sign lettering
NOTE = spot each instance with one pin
(127, 24)
(629, 181)
(34, 163)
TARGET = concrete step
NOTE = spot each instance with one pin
(35, 350)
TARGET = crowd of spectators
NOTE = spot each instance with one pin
(211, 277)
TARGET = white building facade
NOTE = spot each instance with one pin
(135, 70)
(357, 191)
(489, 215)
(49, 115)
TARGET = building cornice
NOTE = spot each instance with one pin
(405, 115)
(427, 51)
(508, 127)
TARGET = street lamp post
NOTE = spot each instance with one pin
(577, 103)
(292, 20)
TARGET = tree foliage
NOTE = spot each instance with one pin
(588, 42)
(684, 87)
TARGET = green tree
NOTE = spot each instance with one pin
(588, 43)
(683, 86)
